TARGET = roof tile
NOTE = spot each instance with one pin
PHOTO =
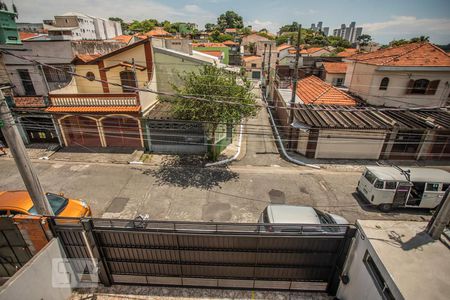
(312, 90)
(81, 109)
(335, 67)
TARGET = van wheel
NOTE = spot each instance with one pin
(385, 207)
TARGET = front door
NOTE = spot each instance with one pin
(401, 194)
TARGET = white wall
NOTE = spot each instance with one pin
(34, 280)
(332, 78)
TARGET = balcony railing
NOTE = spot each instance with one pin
(29, 101)
(125, 99)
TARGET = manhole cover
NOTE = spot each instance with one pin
(117, 205)
(277, 197)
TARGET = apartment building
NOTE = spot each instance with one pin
(350, 33)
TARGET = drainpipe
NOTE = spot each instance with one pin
(280, 142)
(235, 156)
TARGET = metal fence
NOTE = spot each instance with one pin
(14, 252)
(227, 255)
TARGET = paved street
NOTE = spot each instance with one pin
(179, 192)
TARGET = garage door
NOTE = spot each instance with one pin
(349, 144)
(121, 132)
(81, 131)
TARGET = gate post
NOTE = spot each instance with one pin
(95, 252)
(333, 283)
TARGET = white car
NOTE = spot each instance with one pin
(302, 215)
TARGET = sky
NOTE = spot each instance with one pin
(384, 20)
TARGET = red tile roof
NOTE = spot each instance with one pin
(409, 55)
(311, 50)
(81, 109)
(231, 30)
(26, 35)
(218, 54)
(157, 31)
(208, 45)
(335, 67)
(284, 46)
(123, 38)
(347, 52)
(250, 58)
(312, 90)
(87, 57)
(230, 43)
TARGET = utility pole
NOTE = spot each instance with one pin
(441, 217)
(263, 82)
(22, 160)
(268, 70)
(134, 72)
(294, 84)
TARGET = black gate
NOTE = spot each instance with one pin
(185, 137)
(14, 252)
(223, 255)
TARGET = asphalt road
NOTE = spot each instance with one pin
(174, 192)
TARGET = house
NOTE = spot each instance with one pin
(340, 132)
(313, 51)
(334, 72)
(285, 55)
(32, 83)
(95, 114)
(77, 26)
(218, 50)
(411, 75)
(248, 43)
(395, 260)
(231, 31)
(126, 39)
(252, 65)
(158, 32)
(166, 134)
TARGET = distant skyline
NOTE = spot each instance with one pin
(384, 20)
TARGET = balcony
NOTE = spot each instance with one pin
(72, 100)
(29, 102)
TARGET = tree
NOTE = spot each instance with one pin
(215, 85)
(210, 27)
(420, 39)
(246, 30)
(289, 28)
(229, 19)
(364, 39)
(264, 30)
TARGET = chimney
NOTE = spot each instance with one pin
(441, 217)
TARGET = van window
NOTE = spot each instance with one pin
(432, 187)
(445, 186)
(379, 184)
(390, 185)
(370, 176)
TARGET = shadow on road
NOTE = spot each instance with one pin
(188, 171)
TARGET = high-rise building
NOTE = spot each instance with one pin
(350, 33)
(324, 30)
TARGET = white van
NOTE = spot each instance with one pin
(389, 187)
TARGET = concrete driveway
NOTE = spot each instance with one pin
(175, 191)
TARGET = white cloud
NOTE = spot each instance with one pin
(258, 25)
(37, 10)
(409, 26)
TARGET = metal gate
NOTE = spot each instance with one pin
(14, 252)
(223, 255)
(177, 137)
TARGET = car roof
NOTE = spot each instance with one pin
(292, 214)
(19, 199)
(416, 174)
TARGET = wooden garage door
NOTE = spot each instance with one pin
(121, 132)
(81, 131)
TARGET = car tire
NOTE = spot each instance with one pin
(385, 207)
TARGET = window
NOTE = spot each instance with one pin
(370, 177)
(420, 86)
(53, 75)
(445, 186)
(58, 203)
(90, 76)
(26, 82)
(127, 78)
(253, 65)
(256, 75)
(379, 281)
(432, 187)
(339, 81)
(390, 185)
(3, 212)
(384, 84)
(379, 184)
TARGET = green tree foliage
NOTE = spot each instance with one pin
(364, 39)
(400, 42)
(214, 84)
(246, 30)
(229, 19)
(218, 37)
(210, 27)
(289, 28)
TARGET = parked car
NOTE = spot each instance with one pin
(19, 202)
(302, 215)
